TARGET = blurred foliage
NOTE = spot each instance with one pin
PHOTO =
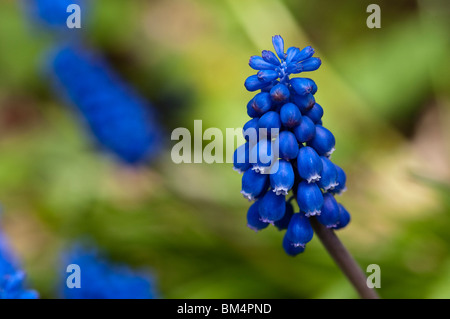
(386, 98)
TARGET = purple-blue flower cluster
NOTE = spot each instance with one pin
(120, 120)
(12, 278)
(102, 279)
(288, 149)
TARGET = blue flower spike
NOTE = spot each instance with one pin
(296, 162)
(104, 279)
(119, 120)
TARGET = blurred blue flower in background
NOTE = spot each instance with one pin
(52, 13)
(12, 279)
(102, 279)
(120, 120)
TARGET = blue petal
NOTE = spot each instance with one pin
(250, 130)
(251, 110)
(253, 83)
(303, 86)
(254, 184)
(315, 113)
(278, 45)
(258, 63)
(294, 68)
(261, 103)
(282, 177)
(341, 180)
(272, 207)
(304, 102)
(291, 53)
(305, 131)
(299, 231)
(241, 156)
(280, 93)
(290, 249)
(270, 57)
(309, 198)
(328, 180)
(262, 156)
(310, 64)
(290, 115)
(267, 75)
(329, 215)
(344, 217)
(288, 145)
(253, 219)
(304, 54)
(323, 142)
(309, 164)
(270, 120)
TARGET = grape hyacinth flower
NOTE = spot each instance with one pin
(12, 278)
(102, 279)
(304, 168)
(120, 120)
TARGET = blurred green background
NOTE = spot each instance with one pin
(386, 98)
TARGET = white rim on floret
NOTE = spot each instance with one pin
(265, 220)
(313, 213)
(328, 154)
(281, 190)
(253, 228)
(313, 179)
(260, 169)
(331, 186)
(342, 191)
(249, 196)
